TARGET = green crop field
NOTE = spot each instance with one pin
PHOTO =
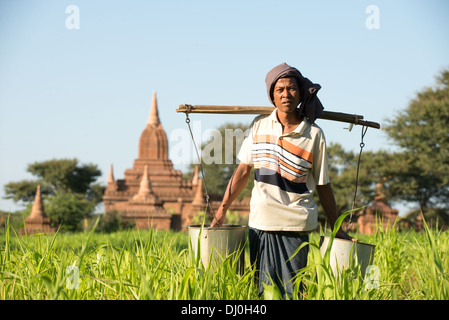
(136, 265)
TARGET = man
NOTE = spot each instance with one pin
(288, 153)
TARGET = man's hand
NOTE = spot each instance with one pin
(221, 217)
(343, 235)
(327, 200)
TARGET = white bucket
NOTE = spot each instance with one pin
(218, 242)
(344, 252)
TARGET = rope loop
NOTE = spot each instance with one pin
(188, 110)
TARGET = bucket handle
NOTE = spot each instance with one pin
(208, 206)
(362, 145)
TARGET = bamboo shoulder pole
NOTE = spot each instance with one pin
(328, 115)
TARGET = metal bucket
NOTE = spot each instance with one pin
(344, 252)
(216, 244)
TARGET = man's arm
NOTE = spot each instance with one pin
(329, 205)
(235, 186)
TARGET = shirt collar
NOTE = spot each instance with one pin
(299, 129)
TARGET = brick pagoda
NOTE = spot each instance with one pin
(152, 191)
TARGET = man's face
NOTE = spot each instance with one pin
(286, 94)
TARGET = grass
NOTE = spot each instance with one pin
(150, 264)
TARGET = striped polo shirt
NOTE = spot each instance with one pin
(287, 167)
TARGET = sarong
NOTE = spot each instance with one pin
(269, 251)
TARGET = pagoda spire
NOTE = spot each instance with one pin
(111, 175)
(145, 187)
(198, 199)
(153, 142)
(145, 192)
(37, 211)
(154, 114)
(195, 177)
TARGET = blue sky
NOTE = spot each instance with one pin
(86, 92)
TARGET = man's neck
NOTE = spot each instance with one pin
(289, 121)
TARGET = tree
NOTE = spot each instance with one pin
(420, 171)
(343, 175)
(219, 158)
(68, 190)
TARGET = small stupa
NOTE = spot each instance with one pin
(145, 208)
(37, 221)
(198, 202)
(378, 214)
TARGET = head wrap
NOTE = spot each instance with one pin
(310, 105)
